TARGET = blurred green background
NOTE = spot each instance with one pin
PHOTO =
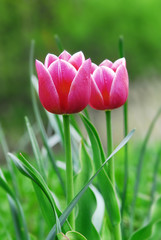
(92, 26)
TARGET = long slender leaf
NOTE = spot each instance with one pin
(9, 164)
(86, 210)
(45, 206)
(104, 183)
(90, 126)
(68, 210)
(56, 124)
(154, 182)
(16, 210)
(35, 147)
(139, 168)
(29, 171)
(151, 229)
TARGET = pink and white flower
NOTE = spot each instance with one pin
(64, 82)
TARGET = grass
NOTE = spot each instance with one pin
(31, 207)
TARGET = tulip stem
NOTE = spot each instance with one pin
(69, 167)
(116, 230)
(109, 147)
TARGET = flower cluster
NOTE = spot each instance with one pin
(68, 83)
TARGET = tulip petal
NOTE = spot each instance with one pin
(119, 88)
(77, 59)
(65, 55)
(50, 58)
(62, 74)
(103, 77)
(96, 100)
(80, 90)
(47, 92)
(106, 63)
(117, 63)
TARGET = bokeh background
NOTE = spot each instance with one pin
(92, 26)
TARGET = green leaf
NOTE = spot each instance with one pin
(86, 113)
(70, 207)
(75, 125)
(139, 167)
(94, 138)
(56, 124)
(151, 229)
(143, 233)
(9, 163)
(29, 171)
(16, 210)
(45, 206)
(154, 181)
(5, 185)
(86, 207)
(87, 204)
(104, 183)
(35, 148)
(105, 231)
(86, 168)
(156, 231)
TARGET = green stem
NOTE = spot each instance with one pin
(116, 230)
(126, 170)
(109, 147)
(69, 166)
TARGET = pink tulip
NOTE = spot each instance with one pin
(64, 82)
(109, 86)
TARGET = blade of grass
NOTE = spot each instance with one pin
(154, 182)
(75, 124)
(148, 231)
(16, 210)
(96, 135)
(29, 171)
(58, 43)
(139, 168)
(56, 125)
(9, 164)
(68, 210)
(86, 113)
(35, 147)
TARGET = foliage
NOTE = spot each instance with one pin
(91, 25)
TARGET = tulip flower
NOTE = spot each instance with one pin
(109, 86)
(64, 82)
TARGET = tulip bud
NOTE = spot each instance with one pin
(64, 82)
